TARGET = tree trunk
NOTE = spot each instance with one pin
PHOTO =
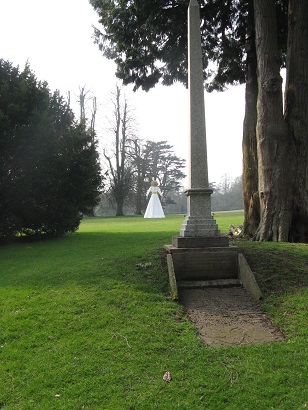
(249, 145)
(273, 145)
(296, 114)
(119, 163)
(139, 177)
(119, 208)
(138, 204)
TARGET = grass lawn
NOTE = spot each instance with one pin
(87, 323)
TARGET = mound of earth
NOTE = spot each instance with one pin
(228, 316)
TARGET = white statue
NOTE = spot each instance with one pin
(154, 208)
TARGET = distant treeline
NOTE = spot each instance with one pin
(227, 195)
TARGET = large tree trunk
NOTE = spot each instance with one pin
(296, 114)
(250, 159)
(272, 133)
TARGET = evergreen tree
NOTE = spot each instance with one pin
(148, 40)
(49, 169)
(158, 160)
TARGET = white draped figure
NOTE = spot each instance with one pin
(154, 208)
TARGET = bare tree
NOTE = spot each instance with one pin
(93, 116)
(119, 162)
(82, 102)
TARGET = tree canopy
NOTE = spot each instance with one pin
(148, 40)
(49, 169)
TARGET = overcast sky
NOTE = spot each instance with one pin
(55, 37)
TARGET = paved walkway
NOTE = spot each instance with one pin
(228, 316)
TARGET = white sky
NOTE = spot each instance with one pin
(56, 38)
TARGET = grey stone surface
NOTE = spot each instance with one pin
(197, 227)
(198, 151)
(172, 279)
(216, 283)
(247, 278)
(199, 242)
(210, 266)
(204, 264)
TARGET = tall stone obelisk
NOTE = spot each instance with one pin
(199, 222)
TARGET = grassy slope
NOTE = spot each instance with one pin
(87, 323)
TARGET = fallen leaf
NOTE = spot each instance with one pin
(167, 377)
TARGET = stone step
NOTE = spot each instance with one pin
(204, 264)
(199, 242)
(225, 283)
(209, 267)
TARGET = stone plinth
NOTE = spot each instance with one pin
(199, 227)
(199, 222)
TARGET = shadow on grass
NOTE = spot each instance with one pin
(88, 260)
(132, 257)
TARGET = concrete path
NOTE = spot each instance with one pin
(228, 316)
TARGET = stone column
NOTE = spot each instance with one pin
(199, 222)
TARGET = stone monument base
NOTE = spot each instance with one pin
(206, 263)
(200, 242)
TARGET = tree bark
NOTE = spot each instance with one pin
(296, 114)
(120, 205)
(273, 143)
(139, 176)
(249, 145)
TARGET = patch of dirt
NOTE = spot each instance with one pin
(228, 316)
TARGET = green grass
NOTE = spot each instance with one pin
(87, 323)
